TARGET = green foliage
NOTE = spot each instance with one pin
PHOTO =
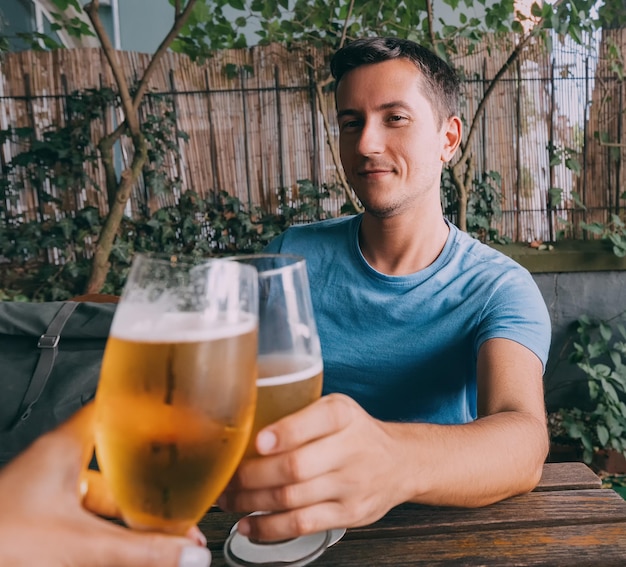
(55, 163)
(564, 155)
(484, 206)
(612, 232)
(51, 260)
(599, 422)
(59, 157)
(327, 22)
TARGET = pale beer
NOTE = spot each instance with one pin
(174, 410)
(286, 384)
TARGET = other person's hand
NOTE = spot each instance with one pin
(42, 521)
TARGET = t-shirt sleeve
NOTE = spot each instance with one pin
(516, 311)
(275, 246)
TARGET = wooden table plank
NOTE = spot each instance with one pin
(558, 546)
(530, 510)
(567, 476)
(554, 508)
(566, 521)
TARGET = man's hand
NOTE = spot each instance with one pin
(329, 465)
(42, 521)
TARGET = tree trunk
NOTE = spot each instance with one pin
(100, 263)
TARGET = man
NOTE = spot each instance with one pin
(42, 521)
(433, 344)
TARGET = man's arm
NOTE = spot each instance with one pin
(332, 465)
(499, 455)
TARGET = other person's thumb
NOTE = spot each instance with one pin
(136, 549)
(194, 556)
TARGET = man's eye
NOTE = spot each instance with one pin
(397, 118)
(350, 124)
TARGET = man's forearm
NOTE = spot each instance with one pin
(471, 465)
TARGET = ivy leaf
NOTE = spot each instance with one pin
(603, 434)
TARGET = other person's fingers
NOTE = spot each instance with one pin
(103, 544)
(96, 496)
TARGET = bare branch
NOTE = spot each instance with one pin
(333, 150)
(431, 26)
(344, 32)
(179, 21)
(105, 145)
(176, 8)
(132, 120)
(465, 149)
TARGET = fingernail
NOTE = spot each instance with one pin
(265, 441)
(193, 556)
(196, 535)
(83, 488)
(243, 527)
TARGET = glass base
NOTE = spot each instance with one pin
(239, 551)
(336, 535)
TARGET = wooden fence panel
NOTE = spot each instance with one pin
(258, 131)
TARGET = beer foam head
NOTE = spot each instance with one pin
(142, 322)
(281, 369)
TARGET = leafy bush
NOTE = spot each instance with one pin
(51, 261)
(599, 422)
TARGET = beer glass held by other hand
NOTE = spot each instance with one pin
(177, 392)
(290, 378)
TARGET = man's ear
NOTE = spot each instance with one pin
(452, 134)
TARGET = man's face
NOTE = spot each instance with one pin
(392, 148)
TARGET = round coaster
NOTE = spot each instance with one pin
(336, 535)
(239, 551)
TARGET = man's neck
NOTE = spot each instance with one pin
(402, 244)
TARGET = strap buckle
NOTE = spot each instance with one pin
(48, 341)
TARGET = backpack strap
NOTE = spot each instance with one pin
(48, 348)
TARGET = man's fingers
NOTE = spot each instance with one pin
(325, 416)
(284, 497)
(287, 525)
(96, 496)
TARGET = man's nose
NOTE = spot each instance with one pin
(371, 140)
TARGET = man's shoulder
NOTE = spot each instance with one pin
(304, 238)
(319, 230)
(323, 226)
(473, 251)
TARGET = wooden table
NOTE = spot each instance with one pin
(568, 520)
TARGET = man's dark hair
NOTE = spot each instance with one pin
(440, 84)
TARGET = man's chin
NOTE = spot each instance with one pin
(380, 212)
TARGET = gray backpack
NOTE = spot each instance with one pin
(50, 356)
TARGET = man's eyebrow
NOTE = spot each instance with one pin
(395, 104)
(385, 106)
(346, 112)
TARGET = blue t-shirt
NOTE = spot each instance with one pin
(405, 347)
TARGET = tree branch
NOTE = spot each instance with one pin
(92, 11)
(105, 145)
(465, 147)
(333, 150)
(344, 31)
(431, 27)
(180, 20)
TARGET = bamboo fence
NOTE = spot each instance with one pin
(259, 131)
